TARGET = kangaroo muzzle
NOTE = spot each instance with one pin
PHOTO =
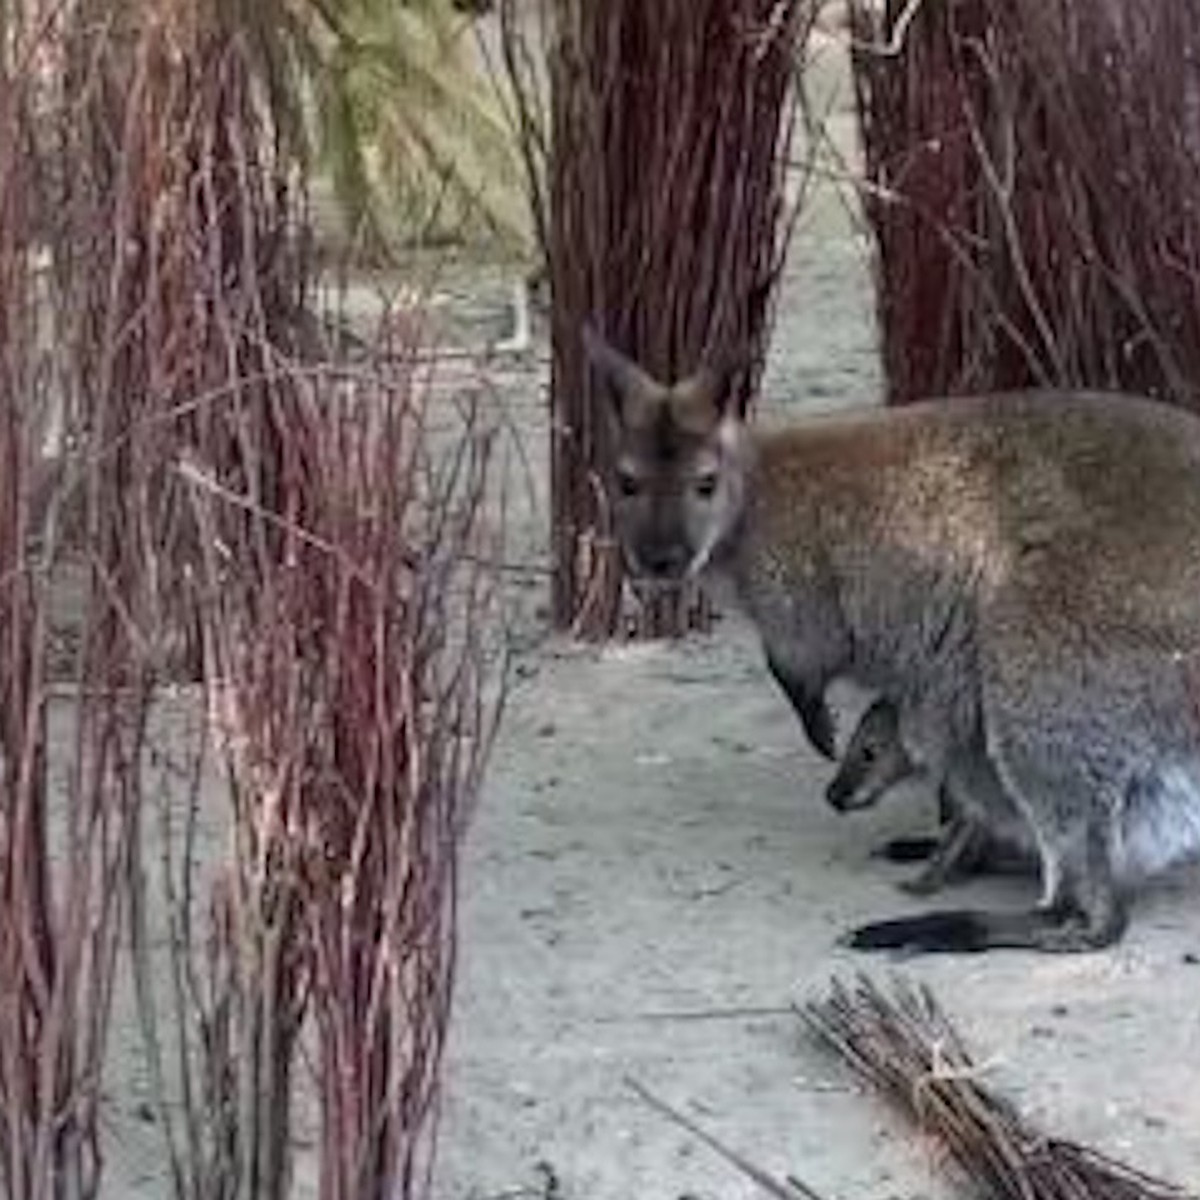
(664, 561)
(845, 795)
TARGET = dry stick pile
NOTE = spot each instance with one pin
(1032, 168)
(906, 1046)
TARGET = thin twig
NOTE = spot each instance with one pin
(789, 1189)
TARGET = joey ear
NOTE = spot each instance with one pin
(634, 392)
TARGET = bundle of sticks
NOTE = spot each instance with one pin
(901, 1041)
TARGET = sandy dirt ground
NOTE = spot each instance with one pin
(653, 879)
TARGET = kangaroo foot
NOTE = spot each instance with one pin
(907, 849)
(958, 931)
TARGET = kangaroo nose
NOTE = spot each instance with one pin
(665, 561)
(837, 794)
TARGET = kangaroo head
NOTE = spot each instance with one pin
(678, 469)
(875, 759)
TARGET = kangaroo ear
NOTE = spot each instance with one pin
(634, 393)
(707, 395)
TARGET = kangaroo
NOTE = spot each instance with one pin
(875, 760)
(1019, 574)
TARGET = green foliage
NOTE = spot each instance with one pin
(386, 101)
(399, 116)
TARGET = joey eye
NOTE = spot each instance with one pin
(706, 485)
(628, 483)
(867, 754)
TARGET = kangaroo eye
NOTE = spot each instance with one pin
(706, 485)
(867, 754)
(628, 483)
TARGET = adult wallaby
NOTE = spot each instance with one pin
(1018, 574)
